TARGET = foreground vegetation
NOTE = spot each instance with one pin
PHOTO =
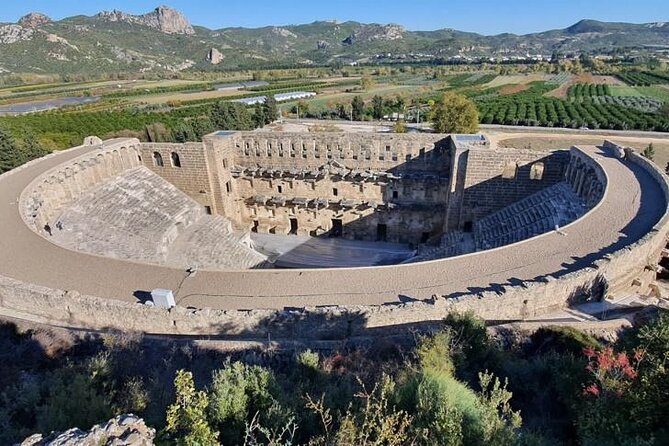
(457, 386)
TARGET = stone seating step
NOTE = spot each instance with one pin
(536, 214)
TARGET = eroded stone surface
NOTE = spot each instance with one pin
(123, 430)
(163, 18)
(34, 20)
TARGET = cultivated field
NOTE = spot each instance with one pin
(185, 97)
(521, 79)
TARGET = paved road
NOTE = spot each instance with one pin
(632, 206)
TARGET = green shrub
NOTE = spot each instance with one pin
(238, 393)
(308, 359)
(186, 418)
(70, 400)
(561, 340)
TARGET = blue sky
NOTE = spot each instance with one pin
(483, 16)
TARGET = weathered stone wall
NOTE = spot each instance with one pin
(525, 300)
(45, 197)
(496, 178)
(203, 171)
(360, 205)
(375, 151)
(290, 159)
(183, 165)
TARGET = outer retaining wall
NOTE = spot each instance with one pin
(523, 301)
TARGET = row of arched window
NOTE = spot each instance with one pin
(174, 159)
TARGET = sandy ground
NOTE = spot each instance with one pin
(542, 141)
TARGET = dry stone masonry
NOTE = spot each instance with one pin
(217, 204)
(443, 195)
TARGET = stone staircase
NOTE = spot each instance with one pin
(136, 215)
(211, 243)
(541, 212)
(139, 216)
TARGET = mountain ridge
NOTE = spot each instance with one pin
(165, 40)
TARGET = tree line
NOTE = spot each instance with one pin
(24, 138)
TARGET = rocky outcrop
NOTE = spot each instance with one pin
(283, 32)
(163, 18)
(53, 38)
(369, 33)
(122, 430)
(34, 20)
(322, 45)
(214, 56)
(15, 33)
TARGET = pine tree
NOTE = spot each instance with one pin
(271, 112)
(358, 108)
(231, 116)
(10, 156)
(377, 107)
(32, 148)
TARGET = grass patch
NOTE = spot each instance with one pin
(624, 90)
(657, 92)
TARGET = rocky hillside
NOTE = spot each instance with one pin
(163, 19)
(165, 40)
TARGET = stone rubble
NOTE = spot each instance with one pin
(123, 430)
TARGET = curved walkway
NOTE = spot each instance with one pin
(629, 210)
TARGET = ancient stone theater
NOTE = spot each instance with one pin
(323, 235)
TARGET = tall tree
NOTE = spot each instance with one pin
(302, 108)
(202, 125)
(183, 132)
(377, 107)
(32, 148)
(649, 152)
(259, 116)
(455, 113)
(10, 155)
(271, 112)
(358, 108)
(231, 116)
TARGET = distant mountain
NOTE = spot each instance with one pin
(164, 40)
